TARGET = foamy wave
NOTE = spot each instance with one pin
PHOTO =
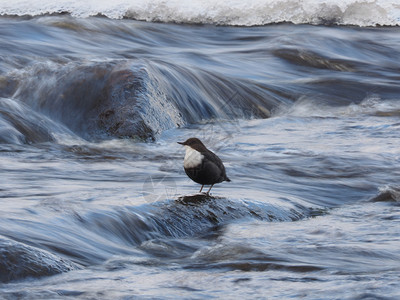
(221, 12)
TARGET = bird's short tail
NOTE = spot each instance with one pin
(227, 179)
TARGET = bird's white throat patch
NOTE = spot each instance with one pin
(193, 158)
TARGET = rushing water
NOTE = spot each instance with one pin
(95, 201)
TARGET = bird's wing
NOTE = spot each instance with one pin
(214, 159)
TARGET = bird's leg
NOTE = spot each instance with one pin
(208, 192)
(201, 188)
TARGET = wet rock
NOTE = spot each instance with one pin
(18, 261)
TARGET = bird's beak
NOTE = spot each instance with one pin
(181, 143)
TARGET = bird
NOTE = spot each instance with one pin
(202, 165)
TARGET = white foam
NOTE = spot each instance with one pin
(221, 12)
(372, 105)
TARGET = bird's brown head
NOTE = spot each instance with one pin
(194, 143)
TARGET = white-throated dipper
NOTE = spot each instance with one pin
(202, 165)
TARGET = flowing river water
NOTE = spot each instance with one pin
(95, 201)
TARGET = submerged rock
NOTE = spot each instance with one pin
(18, 261)
(137, 99)
(19, 124)
(185, 216)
